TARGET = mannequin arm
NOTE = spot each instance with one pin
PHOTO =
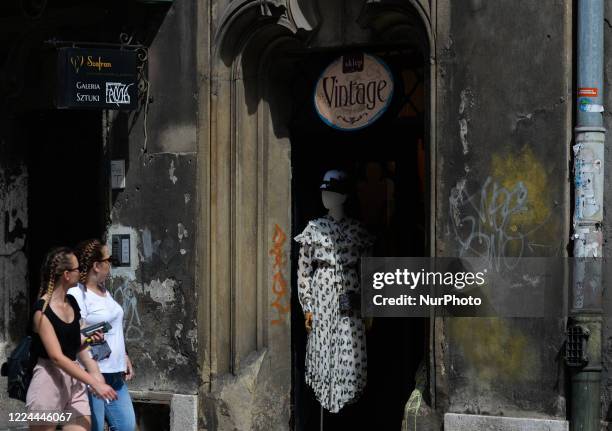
(305, 272)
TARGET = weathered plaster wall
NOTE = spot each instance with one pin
(13, 262)
(157, 208)
(504, 132)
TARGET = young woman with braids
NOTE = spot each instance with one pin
(58, 382)
(97, 305)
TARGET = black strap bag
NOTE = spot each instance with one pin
(18, 368)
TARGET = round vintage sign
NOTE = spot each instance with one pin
(353, 91)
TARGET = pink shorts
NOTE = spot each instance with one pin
(53, 390)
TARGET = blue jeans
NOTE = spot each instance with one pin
(119, 413)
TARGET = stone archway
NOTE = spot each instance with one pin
(245, 171)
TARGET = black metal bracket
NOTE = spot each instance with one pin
(84, 44)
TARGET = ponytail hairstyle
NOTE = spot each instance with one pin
(56, 262)
(88, 252)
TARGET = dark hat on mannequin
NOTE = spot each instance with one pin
(335, 181)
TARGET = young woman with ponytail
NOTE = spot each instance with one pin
(58, 382)
(97, 305)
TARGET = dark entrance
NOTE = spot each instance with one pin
(67, 179)
(388, 162)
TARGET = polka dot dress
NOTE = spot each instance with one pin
(328, 263)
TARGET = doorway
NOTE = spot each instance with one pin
(388, 163)
(67, 180)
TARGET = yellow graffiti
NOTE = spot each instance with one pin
(494, 349)
(279, 284)
(524, 168)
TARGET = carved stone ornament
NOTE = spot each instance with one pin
(241, 16)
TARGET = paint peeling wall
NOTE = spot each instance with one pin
(13, 263)
(504, 131)
(157, 291)
(156, 209)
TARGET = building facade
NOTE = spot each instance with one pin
(223, 154)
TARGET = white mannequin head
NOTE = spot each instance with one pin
(334, 192)
(332, 199)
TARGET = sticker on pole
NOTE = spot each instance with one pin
(353, 91)
(587, 105)
(588, 92)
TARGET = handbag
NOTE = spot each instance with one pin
(100, 351)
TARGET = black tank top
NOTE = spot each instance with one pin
(68, 334)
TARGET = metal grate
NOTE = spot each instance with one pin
(575, 346)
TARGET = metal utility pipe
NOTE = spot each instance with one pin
(586, 312)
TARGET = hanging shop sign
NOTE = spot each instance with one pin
(96, 78)
(353, 91)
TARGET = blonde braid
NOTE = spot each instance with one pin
(50, 289)
(88, 252)
(56, 262)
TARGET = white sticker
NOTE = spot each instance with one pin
(594, 108)
(118, 174)
(586, 107)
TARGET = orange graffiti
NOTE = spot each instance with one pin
(278, 238)
(279, 284)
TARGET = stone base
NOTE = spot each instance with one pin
(462, 422)
(184, 413)
(256, 398)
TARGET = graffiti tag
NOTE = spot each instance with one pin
(482, 222)
(125, 296)
(279, 284)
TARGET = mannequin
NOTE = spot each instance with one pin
(334, 203)
(329, 292)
